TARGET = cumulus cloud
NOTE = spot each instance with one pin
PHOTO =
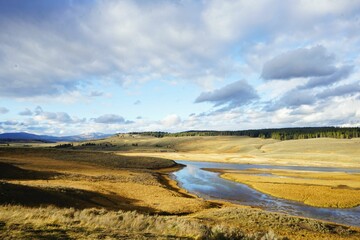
(301, 100)
(340, 73)
(3, 110)
(26, 112)
(108, 42)
(171, 120)
(96, 94)
(38, 110)
(10, 123)
(342, 90)
(111, 119)
(303, 62)
(39, 115)
(186, 40)
(78, 49)
(58, 117)
(235, 94)
(292, 99)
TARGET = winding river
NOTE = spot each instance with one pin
(209, 185)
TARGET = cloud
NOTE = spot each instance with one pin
(3, 110)
(340, 73)
(52, 117)
(111, 119)
(10, 123)
(38, 110)
(137, 102)
(106, 41)
(292, 99)
(342, 90)
(26, 112)
(75, 50)
(96, 94)
(235, 94)
(301, 99)
(303, 62)
(171, 120)
(58, 117)
(101, 41)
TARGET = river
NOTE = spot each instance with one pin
(209, 185)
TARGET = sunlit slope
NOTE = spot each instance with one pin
(312, 152)
(319, 189)
(213, 144)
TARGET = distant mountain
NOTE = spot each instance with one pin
(87, 136)
(23, 136)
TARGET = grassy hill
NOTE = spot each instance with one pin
(310, 152)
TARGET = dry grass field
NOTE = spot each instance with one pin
(304, 152)
(320, 189)
(117, 186)
(93, 192)
(19, 222)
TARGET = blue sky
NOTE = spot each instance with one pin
(72, 67)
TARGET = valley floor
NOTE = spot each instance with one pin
(70, 194)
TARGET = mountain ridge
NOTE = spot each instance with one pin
(25, 136)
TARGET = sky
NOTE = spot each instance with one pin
(74, 67)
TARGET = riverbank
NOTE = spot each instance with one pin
(202, 178)
(318, 189)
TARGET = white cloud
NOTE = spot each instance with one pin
(313, 62)
(342, 72)
(96, 94)
(109, 42)
(201, 43)
(235, 94)
(111, 119)
(137, 102)
(342, 90)
(171, 121)
(3, 110)
(26, 112)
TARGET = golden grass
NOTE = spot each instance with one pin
(43, 223)
(135, 189)
(320, 189)
(37, 181)
(250, 220)
(129, 195)
(233, 149)
(17, 222)
(104, 159)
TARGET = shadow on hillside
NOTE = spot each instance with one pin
(104, 159)
(11, 172)
(17, 194)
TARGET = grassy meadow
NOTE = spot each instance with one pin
(319, 189)
(233, 149)
(119, 188)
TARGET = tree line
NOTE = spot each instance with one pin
(275, 133)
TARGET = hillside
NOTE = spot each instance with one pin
(235, 149)
(275, 133)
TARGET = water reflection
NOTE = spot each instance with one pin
(210, 186)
